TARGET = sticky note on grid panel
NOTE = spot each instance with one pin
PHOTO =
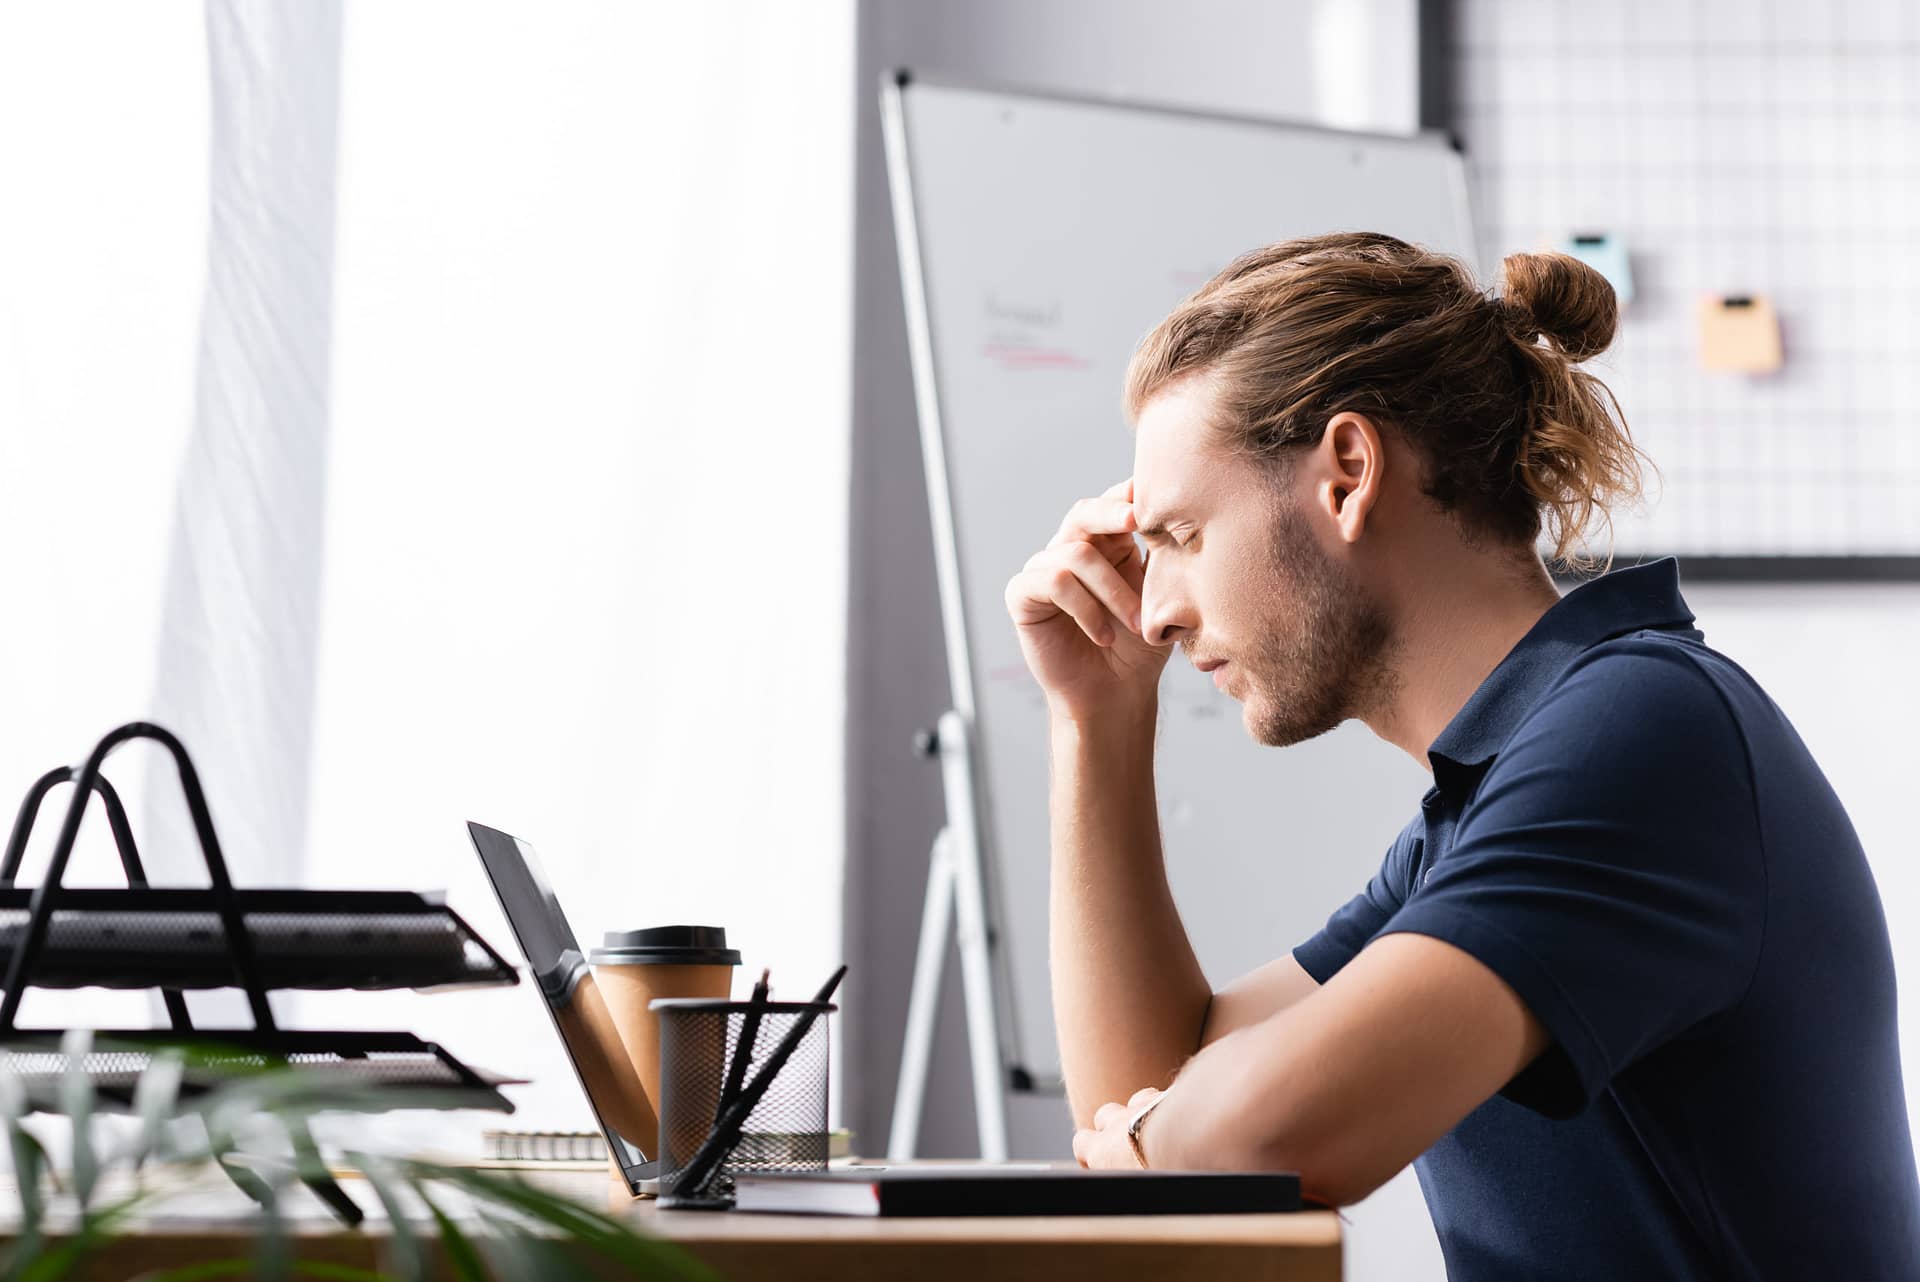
(1739, 333)
(1606, 255)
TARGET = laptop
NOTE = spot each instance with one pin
(559, 969)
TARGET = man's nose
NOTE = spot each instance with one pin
(1164, 618)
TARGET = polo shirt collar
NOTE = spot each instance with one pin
(1644, 596)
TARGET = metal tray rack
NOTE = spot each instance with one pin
(217, 936)
(393, 1070)
(177, 938)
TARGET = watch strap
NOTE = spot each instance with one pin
(1134, 1125)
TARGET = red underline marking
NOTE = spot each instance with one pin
(1039, 357)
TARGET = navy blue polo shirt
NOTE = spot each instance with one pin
(1626, 830)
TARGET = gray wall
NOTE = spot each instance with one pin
(1347, 62)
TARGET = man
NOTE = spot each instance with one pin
(1621, 990)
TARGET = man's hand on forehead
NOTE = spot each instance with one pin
(1106, 522)
(1077, 605)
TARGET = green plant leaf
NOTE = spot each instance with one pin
(30, 1166)
(155, 1097)
(461, 1257)
(13, 1096)
(403, 1242)
(234, 1165)
(29, 1160)
(29, 1156)
(610, 1237)
(273, 1255)
(96, 1229)
(316, 1175)
(76, 1101)
(517, 1253)
(272, 1252)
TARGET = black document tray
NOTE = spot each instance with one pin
(173, 937)
(406, 1071)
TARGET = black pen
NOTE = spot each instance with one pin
(743, 1049)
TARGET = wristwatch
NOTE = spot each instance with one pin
(1136, 1123)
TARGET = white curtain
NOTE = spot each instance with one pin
(239, 623)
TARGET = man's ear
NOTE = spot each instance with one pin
(1352, 464)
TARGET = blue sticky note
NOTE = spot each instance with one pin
(1606, 255)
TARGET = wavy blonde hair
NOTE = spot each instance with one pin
(1516, 440)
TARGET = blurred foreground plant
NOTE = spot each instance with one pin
(488, 1225)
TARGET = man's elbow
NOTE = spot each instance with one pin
(1337, 1185)
(1330, 1170)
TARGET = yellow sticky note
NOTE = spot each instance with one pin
(1739, 333)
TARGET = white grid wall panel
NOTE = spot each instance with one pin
(1765, 148)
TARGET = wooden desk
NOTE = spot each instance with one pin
(795, 1248)
(748, 1248)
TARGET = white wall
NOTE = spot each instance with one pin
(103, 152)
(1839, 661)
(586, 571)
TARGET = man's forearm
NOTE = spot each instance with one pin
(1354, 1082)
(1129, 997)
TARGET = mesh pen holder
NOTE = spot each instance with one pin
(787, 1129)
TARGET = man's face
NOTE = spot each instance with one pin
(1238, 576)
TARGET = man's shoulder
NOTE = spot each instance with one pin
(1642, 717)
(1652, 682)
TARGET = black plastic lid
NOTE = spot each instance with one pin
(667, 946)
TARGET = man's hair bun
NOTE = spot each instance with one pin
(1561, 299)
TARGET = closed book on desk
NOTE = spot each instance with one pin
(937, 1191)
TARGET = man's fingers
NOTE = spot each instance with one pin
(1090, 518)
(1145, 1095)
(1109, 1115)
(1065, 577)
(1072, 596)
(1107, 584)
(1091, 570)
(1039, 594)
(1118, 550)
(1121, 550)
(1082, 1144)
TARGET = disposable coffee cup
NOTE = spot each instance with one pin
(634, 967)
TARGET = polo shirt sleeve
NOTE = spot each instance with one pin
(1358, 920)
(1609, 868)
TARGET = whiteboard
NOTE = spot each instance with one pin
(1041, 238)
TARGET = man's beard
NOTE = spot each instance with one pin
(1321, 655)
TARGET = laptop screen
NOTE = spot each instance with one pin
(566, 985)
